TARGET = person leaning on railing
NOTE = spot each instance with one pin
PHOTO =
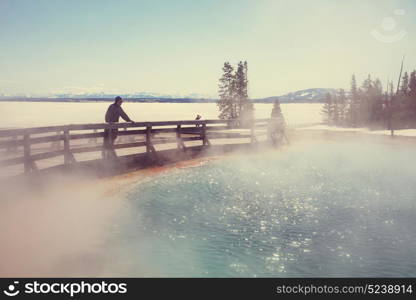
(113, 114)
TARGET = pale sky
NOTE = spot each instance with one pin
(179, 46)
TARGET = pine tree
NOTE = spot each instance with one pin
(342, 107)
(241, 86)
(233, 93)
(248, 105)
(226, 102)
(388, 109)
(412, 94)
(376, 102)
(245, 111)
(365, 94)
(404, 88)
(391, 90)
(412, 84)
(335, 110)
(354, 103)
(328, 108)
(378, 87)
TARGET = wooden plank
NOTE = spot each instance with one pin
(131, 145)
(46, 155)
(11, 143)
(23, 131)
(208, 128)
(225, 135)
(196, 138)
(12, 161)
(100, 148)
(31, 158)
(87, 149)
(46, 139)
(37, 130)
(86, 135)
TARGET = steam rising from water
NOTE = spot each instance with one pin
(56, 231)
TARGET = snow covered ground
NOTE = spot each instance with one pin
(401, 132)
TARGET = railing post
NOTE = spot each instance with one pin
(29, 165)
(148, 138)
(149, 145)
(68, 156)
(253, 139)
(178, 131)
(26, 152)
(205, 141)
(178, 136)
(179, 140)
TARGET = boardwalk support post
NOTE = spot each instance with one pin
(68, 156)
(29, 164)
(149, 145)
(253, 139)
(205, 141)
(108, 144)
(179, 141)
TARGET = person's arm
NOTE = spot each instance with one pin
(124, 116)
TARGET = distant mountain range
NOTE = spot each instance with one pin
(314, 95)
(308, 95)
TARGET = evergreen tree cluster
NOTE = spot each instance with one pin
(369, 105)
(335, 108)
(233, 102)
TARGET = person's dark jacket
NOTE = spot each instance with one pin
(114, 112)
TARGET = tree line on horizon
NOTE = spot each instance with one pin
(372, 106)
(233, 102)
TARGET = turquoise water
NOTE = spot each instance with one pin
(328, 209)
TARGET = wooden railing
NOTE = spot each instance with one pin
(181, 132)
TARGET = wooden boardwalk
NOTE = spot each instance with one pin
(33, 150)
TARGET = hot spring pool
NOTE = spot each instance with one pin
(326, 210)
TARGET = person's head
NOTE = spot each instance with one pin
(118, 100)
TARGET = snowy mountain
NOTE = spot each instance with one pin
(312, 95)
(308, 95)
(136, 95)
